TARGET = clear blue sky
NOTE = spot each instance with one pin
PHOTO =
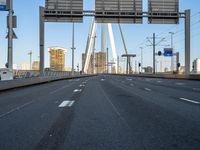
(59, 34)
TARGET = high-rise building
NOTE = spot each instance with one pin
(100, 62)
(90, 68)
(25, 66)
(36, 65)
(57, 58)
(196, 65)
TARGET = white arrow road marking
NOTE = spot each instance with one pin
(66, 104)
(188, 100)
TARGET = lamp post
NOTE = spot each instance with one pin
(172, 58)
(73, 48)
(141, 58)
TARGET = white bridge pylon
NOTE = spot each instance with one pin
(91, 41)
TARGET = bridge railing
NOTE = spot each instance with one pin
(35, 73)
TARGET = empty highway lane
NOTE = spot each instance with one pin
(102, 113)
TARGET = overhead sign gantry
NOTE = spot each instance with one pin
(118, 11)
(115, 11)
(163, 11)
(64, 11)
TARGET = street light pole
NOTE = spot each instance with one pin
(10, 35)
(154, 53)
(172, 46)
(141, 58)
(107, 61)
(73, 48)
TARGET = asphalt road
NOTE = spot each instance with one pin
(102, 113)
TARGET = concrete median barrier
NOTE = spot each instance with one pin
(7, 85)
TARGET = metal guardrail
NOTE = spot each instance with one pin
(33, 73)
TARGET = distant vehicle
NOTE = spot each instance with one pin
(6, 74)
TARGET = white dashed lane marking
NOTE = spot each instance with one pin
(191, 101)
(66, 104)
(77, 90)
(82, 85)
(147, 89)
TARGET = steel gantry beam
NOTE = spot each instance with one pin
(72, 15)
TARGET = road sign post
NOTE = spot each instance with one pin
(10, 35)
(42, 26)
(187, 42)
(154, 53)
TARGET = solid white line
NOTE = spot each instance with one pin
(15, 109)
(147, 89)
(66, 104)
(188, 100)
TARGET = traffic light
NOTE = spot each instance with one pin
(178, 65)
(159, 53)
(139, 64)
(6, 65)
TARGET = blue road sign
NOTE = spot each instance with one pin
(2, 5)
(168, 52)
